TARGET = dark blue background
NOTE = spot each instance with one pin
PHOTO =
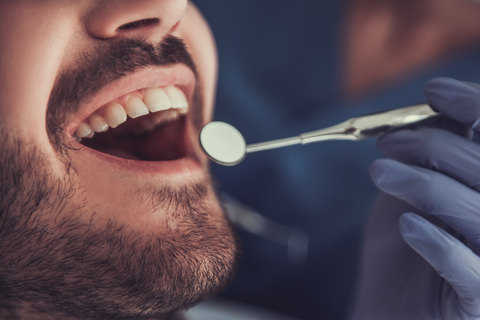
(280, 76)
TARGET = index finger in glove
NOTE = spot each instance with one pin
(456, 99)
(435, 149)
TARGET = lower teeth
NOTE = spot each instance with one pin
(146, 124)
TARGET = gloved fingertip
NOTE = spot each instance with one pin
(407, 222)
(377, 170)
(387, 172)
(441, 91)
(420, 233)
(414, 231)
(446, 95)
(441, 83)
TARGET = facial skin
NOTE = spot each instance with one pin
(84, 234)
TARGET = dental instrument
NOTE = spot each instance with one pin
(225, 145)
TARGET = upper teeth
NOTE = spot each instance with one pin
(114, 114)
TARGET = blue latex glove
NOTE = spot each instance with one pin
(437, 172)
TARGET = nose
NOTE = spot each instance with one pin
(144, 19)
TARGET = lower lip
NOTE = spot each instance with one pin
(171, 167)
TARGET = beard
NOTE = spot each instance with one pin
(58, 262)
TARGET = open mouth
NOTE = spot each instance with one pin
(146, 125)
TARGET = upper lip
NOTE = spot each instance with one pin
(178, 75)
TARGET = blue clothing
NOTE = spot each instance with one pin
(279, 76)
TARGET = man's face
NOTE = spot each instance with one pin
(124, 223)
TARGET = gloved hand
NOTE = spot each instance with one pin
(437, 172)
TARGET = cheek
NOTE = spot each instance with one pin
(199, 39)
(30, 55)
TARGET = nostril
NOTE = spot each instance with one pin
(139, 24)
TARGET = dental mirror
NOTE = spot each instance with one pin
(225, 145)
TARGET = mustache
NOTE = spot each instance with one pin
(107, 63)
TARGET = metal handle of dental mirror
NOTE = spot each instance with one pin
(225, 145)
(372, 125)
(357, 128)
